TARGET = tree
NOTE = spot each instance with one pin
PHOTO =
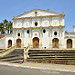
(10, 26)
(6, 26)
(2, 28)
(5, 22)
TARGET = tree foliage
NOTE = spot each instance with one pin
(6, 26)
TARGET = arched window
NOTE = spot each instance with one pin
(18, 34)
(44, 31)
(36, 23)
(55, 33)
(28, 31)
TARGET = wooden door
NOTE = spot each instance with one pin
(9, 43)
(55, 43)
(35, 42)
(69, 43)
(19, 43)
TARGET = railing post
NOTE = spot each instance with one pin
(26, 53)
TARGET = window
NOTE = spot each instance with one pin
(55, 33)
(36, 23)
(36, 13)
(28, 31)
(18, 34)
(44, 31)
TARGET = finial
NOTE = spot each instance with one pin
(48, 9)
(24, 12)
(63, 12)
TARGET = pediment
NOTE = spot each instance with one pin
(37, 12)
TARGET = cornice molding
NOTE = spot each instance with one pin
(14, 18)
(49, 27)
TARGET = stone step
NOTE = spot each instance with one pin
(14, 58)
(10, 56)
(1, 51)
(51, 50)
(14, 61)
(17, 56)
(52, 54)
(17, 61)
(52, 57)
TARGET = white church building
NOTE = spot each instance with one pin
(40, 29)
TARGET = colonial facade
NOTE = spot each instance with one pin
(40, 29)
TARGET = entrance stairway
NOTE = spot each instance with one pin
(52, 56)
(2, 50)
(16, 56)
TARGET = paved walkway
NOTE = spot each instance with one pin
(58, 67)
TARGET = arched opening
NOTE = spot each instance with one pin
(36, 23)
(69, 43)
(55, 43)
(18, 43)
(35, 42)
(9, 43)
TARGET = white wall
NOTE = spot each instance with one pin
(26, 38)
(26, 23)
(2, 43)
(46, 39)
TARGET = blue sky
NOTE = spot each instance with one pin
(10, 8)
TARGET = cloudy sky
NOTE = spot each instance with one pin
(10, 8)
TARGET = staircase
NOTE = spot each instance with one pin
(16, 56)
(2, 50)
(52, 56)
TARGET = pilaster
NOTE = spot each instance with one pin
(41, 33)
(14, 37)
(50, 20)
(30, 33)
(50, 38)
(41, 38)
(59, 20)
(60, 42)
(30, 38)
(22, 37)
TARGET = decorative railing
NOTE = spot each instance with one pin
(8, 51)
(26, 52)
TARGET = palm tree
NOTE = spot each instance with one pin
(2, 28)
(10, 26)
(5, 22)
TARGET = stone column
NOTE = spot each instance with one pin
(14, 37)
(50, 38)
(60, 41)
(30, 33)
(50, 20)
(41, 33)
(22, 37)
(60, 20)
(50, 33)
(30, 38)
(40, 37)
